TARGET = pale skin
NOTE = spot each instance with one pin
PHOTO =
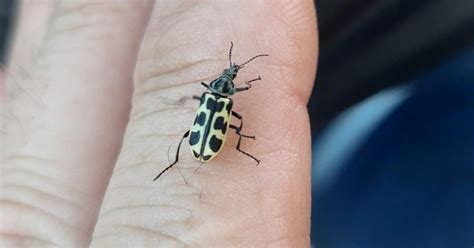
(95, 92)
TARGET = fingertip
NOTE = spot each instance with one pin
(292, 38)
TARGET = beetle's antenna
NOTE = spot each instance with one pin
(169, 147)
(230, 53)
(198, 167)
(260, 55)
(185, 181)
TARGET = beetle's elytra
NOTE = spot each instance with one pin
(212, 121)
(207, 135)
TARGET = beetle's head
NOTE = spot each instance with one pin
(232, 71)
(224, 85)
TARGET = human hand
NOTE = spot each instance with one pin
(97, 91)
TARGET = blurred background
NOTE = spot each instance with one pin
(393, 124)
(392, 117)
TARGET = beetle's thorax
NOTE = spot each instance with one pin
(224, 85)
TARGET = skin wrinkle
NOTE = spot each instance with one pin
(102, 28)
(143, 107)
(59, 26)
(132, 208)
(20, 69)
(155, 229)
(41, 194)
(30, 195)
(179, 69)
(24, 240)
(92, 7)
(14, 115)
(183, 101)
(136, 166)
(159, 135)
(142, 232)
(26, 45)
(138, 117)
(144, 188)
(197, 57)
(185, 195)
(131, 187)
(52, 218)
(153, 232)
(43, 178)
(286, 243)
(19, 158)
(178, 45)
(97, 13)
(23, 157)
(63, 27)
(127, 208)
(270, 222)
(280, 220)
(12, 79)
(144, 119)
(171, 86)
(55, 38)
(175, 191)
(216, 206)
(168, 14)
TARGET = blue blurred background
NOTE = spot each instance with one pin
(392, 118)
(393, 124)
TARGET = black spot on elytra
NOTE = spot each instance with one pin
(215, 143)
(219, 106)
(196, 155)
(206, 157)
(229, 107)
(214, 105)
(210, 103)
(194, 139)
(220, 124)
(200, 119)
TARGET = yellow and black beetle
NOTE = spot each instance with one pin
(212, 119)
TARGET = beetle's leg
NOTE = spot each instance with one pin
(177, 157)
(238, 143)
(248, 85)
(237, 131)
(196, 97)
(206, 85)
(239, 128)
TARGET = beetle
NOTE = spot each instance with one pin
(212, 120)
